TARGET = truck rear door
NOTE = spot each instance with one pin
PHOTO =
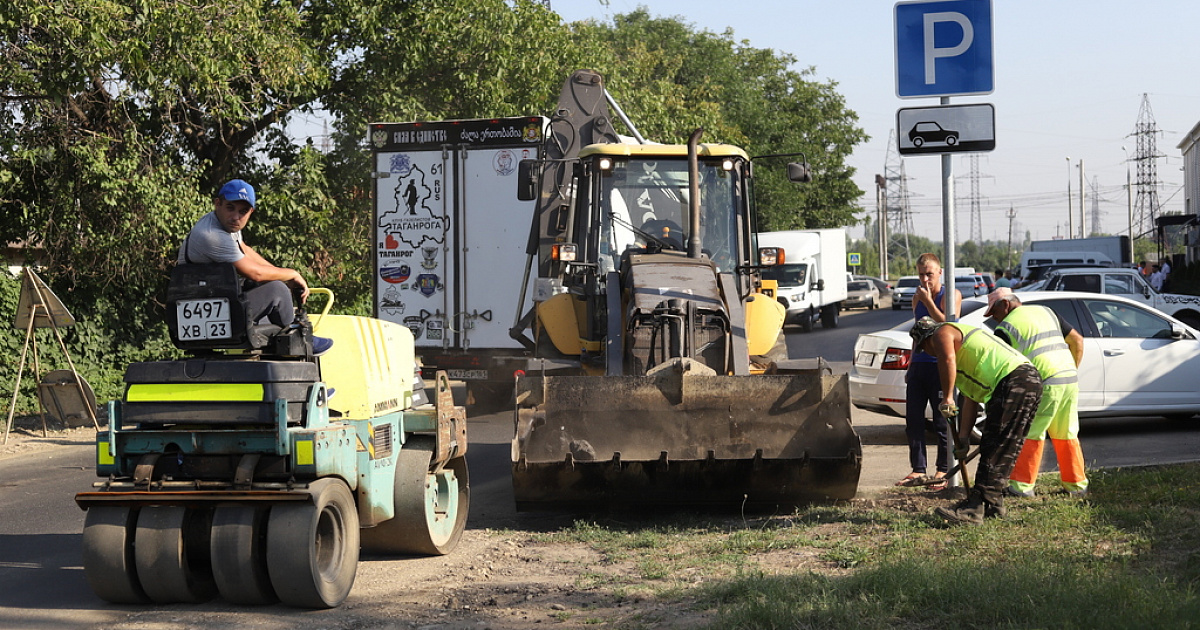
(450, 232)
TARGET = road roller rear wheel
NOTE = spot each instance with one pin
(312, 549)
(431, 508)
(172, 556)
(239, 554)
(108, 560)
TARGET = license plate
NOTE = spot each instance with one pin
(468, 375)
(864, 358)
(200, 320)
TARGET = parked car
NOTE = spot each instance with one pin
(988, 282)
(1037, 274)
(969, 285)
(1137, 361)
(861, 294)
(1126, 283)
(902, 295)
(885, 288)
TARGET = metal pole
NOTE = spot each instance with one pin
(948, 274)
(1129, 198)
(1070, 210)
(1082, 210)
(948, 230)
(881, 213)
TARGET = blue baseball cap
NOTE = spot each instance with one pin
(237, 190)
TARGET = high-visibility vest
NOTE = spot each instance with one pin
(1036, 333)
(983, 361)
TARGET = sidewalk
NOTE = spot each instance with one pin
(885, 450)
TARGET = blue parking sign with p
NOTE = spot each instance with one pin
(944, 48)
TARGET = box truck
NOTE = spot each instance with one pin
(812, 279)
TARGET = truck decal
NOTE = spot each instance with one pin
(391, 302)
(428, 284)
(395, 275)
(413, 222)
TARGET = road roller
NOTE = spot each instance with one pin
(252, 470)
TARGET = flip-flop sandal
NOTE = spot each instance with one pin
(936, 485)
(913, 479)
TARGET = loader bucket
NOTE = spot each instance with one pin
(677, 439)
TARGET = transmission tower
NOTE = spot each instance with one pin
(895, 201)
(1145, 205)
(976, 214)
(1094, 219)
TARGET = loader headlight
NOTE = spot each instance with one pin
(565, 252)
(727, 164)
(606, 163)
(770, 256)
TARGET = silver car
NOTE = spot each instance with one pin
(861, 294)
(902, 295)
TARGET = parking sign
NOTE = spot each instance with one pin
(944, 48)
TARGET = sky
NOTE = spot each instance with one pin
(1070, 76)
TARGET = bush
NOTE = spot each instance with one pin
(105, 338)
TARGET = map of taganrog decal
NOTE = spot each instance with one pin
(411, 235)
(413, 223)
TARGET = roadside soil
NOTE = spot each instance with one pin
(27, 435)
(504, 575)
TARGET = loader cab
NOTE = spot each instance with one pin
(635, 199)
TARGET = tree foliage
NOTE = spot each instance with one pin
(120, 118)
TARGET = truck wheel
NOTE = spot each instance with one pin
(431, 507)
(239, 554)
(108, 563)
(829, 315)
(171, 553)
(312, 549)
(806, 320)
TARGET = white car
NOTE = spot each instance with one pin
(1137, 361)
(902, 295)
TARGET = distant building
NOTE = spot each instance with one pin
(1190, 147)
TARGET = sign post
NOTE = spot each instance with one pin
(943, 49)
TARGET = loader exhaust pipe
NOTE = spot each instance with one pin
(693, 250)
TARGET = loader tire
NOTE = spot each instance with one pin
(171, 553)
(312, 549)
(431, 506)
(239, 554)
(108, 563)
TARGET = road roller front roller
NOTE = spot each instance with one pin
(255, 471)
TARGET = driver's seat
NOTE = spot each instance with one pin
(206, 311)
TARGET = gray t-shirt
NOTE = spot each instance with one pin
(208, 242)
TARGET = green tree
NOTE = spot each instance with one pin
(120, 119)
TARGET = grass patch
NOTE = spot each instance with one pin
(1128, 556)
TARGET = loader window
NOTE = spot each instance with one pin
(641, 197)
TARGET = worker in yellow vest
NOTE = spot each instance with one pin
(1055, 348)
(989, 372)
